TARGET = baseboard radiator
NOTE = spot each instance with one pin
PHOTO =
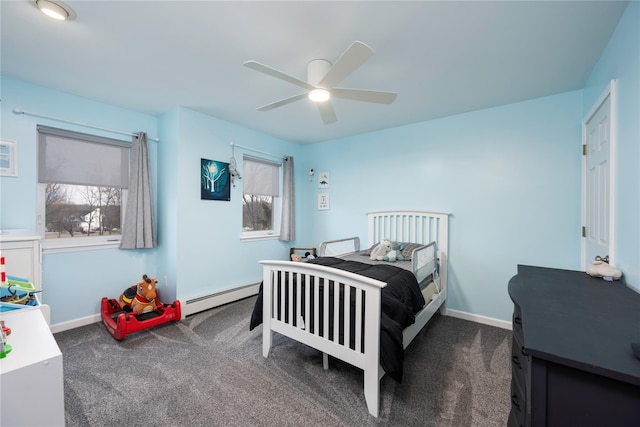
(205, 302)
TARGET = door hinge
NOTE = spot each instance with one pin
(584, 231)
(584, 149)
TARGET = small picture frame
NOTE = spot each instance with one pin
(323, 202)
(8, 158)
(324, 178)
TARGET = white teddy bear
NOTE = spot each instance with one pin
(378, 253)
(602, 269)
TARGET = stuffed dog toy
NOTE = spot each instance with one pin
(602, 269)
(140, 298)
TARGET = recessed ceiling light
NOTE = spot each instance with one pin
(56, 10)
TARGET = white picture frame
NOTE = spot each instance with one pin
(323, 201)
(8, 158)
(324, 179)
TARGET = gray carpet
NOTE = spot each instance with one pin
(208, 370)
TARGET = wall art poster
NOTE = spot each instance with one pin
(214, 180)
(323, 201)
(323, 180)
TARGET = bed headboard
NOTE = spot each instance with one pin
(409, 226)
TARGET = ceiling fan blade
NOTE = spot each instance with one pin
(282, 102)
(364, 95)
(349, 61)
(254, 65)
(327, 113)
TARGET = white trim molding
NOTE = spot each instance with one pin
(491, 321)
(75, 323)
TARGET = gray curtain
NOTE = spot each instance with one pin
(288, 224)
(138, 230)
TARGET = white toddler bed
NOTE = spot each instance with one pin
(288, 300)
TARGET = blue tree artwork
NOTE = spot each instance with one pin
(214, 180)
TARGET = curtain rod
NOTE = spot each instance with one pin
(19, 111)
(257, 151)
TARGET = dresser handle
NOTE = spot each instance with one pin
(514, 401)
(516, 361)
(517, 321)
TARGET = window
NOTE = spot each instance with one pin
(260, 198)
(82, 188)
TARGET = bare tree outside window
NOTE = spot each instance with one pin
(86, 210)
(257, 212)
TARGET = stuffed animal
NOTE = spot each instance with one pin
(395, 253)
(602, 269)
(378, 253)
(141, 297)
(296, 257)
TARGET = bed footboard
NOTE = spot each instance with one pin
(324, 308)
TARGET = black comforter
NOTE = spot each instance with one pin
(401, 301)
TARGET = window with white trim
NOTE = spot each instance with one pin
(261, 197)
(82, 189)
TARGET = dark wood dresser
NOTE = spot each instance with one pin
(572, 363)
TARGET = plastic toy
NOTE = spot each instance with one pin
(17, 293)
(5, 348)
(120, 319)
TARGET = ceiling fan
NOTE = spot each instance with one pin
(322, 77)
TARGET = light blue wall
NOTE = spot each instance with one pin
(75, 282)
(203, 236)
(621, 61)
(509, 176)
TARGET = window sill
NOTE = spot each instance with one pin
(259, 237)
(78, 246)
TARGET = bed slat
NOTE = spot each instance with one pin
(358, 325)
(316, 309)
(347, 315)
(336, 314)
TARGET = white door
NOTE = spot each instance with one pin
(597, 206)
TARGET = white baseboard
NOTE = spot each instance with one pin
(205, 302)
(479, 319)
(75, 323)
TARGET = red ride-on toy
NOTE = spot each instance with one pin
(138, 308)
(119, 322)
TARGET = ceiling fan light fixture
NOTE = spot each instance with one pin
(55, 10)
(319, 95)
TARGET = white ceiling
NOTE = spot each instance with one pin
(441, 57)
